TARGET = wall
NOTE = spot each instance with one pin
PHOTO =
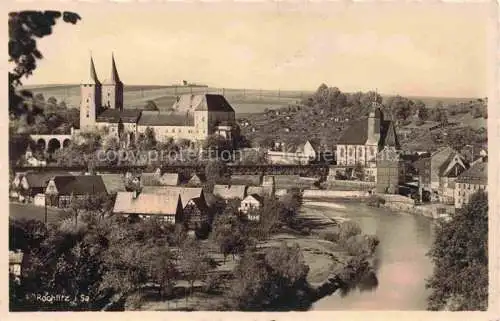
(313, 193)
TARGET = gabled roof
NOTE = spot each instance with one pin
(210, 102)
(230, 191)
(114, 182)
(169, 179)
(197, 179)
(150, 204)
(163, 118)
(115, 115)
(452, 160)
(150, 179)
(355, 134)
(388, 136)
(186, 193)
(256, 197)
(477, 174)
(40, 179)
(248, 180)
(260, 190)
(79, 185)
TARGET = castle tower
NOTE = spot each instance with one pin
(90, 98)
(112, 93)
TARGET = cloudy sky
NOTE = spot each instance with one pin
(418, 49)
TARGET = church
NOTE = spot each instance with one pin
(193, 117)
(364, 139)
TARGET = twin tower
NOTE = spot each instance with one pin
(96, 96)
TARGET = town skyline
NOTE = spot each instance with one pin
(260, 48)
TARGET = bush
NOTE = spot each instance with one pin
(331, 236)
(375, 200)
(348, 229)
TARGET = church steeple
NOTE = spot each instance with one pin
(93, 73)
(114, 72)
(113, 89)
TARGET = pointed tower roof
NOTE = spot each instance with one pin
(93, 74)
(115, 78)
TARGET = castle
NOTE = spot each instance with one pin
(193, 117)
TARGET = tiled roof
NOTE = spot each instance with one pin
(150, 179)
(114, 116)
(161, 118)
(79, 185)
(210, 102)
(248, 180)
(186, 193)
(260, 190)
(356, 133)
(477, 174)
(151, 204)
(445, 167)
(197, 179)
(230, 191)
(169, 179)
(114, 182)
(40, 179)
(258, 198)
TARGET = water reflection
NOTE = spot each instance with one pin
(401, 265)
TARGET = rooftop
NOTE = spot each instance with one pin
(162, 118)
(150, 204)
(477, 174)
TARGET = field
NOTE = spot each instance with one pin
(32, 212)
(243, 100)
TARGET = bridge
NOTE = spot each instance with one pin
(52, 142)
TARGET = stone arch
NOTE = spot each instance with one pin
(54, 144)
(41, 144)
(66, 143)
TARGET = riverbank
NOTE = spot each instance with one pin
(331, 266)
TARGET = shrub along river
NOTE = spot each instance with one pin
(401, 265)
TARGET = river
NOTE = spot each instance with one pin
(402, 265)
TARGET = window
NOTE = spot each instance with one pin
(361, 152)
(372, 151)
(342, 152)
(351, 152)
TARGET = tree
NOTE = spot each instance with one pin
(423, 112)
(151, 105)
(275, 281)
(460, 256)
(216, 172)
(24, 28)
(194, 263)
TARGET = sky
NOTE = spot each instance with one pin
(408, 49)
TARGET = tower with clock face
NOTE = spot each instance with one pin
(90, 95)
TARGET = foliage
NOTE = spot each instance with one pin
(216, 172)
(24, 28)
(275, 281)
(151, 106)
(194, 262)
(460, 256)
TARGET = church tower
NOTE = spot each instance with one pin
(90, 99)
(112, 94)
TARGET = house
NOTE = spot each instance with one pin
(151, 179)
(143, 205)
(114, 182)
(248, 180)
(196, 212)
(228, 192)
(262, 191)
(62, 190)
(250, 205)
(15, 264)
(469, 182)
(363, 139)
(448, 173)
(196, 180)
(390, 171)
(186, 193)
(33, 183)
(169, 179)
(308, 151)
(428, 168)
(31, 160)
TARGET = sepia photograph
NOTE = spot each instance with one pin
(266, 157)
